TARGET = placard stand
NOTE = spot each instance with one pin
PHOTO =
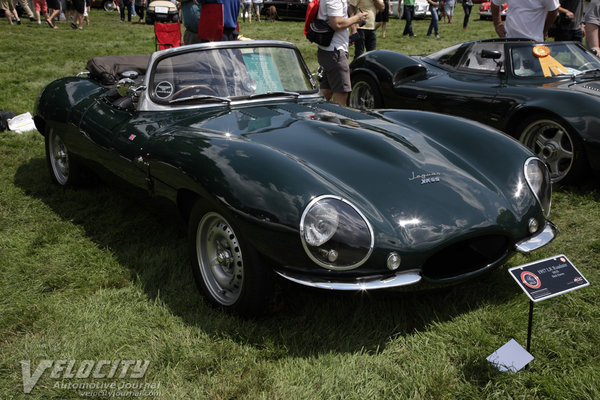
(530, 325)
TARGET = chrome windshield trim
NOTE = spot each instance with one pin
(404, 278)
(539, 239)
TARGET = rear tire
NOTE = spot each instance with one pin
(63, 169)
(556, 144)
(226, 269)
(365, 94)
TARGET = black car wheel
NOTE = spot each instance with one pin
(64, 171)
(556, 145)
(228, 272)
(365, 94)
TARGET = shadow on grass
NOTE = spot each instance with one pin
(150, 241)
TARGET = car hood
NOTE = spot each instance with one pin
(397, 175)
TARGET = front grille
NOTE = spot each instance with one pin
(466, 257)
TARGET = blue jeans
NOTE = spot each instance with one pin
(433, 25)
(467, 10)
(409, 13)
(368, 41)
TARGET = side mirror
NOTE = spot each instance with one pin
(493, 54)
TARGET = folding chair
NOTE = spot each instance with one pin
(167, 35)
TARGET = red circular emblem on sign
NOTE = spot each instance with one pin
(530, 279)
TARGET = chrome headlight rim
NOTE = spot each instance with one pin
(547, 181)
(307, 249)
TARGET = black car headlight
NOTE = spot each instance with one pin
(538, 178)
(335, 234)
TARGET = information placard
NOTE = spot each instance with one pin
(548, 277)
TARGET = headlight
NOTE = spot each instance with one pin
(538, 178)
(335, 234)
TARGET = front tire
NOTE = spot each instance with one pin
(227, 271)
(556, 145)
(365, 94)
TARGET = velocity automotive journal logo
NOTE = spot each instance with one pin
(101, 369)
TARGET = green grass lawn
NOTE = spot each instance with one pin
(90, 274)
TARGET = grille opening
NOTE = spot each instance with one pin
(465, 257)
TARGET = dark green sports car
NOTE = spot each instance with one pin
(274, 181)
(547, 95)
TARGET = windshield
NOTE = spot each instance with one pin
(552, 59)
(224, 74)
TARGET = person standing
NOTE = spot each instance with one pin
(247, 9)
(434, 24)
(78, 10)
(218, 20)
(366, 32)
(9, 10)
(125, 4)
(190, 11)
(409, 14)
(467, 8)
(258, 5)
(41, 7)
(591, 20)
(568, 23)
(140, 8)
(383, 17)
(525, 19)
(449, 9)
(333, 59)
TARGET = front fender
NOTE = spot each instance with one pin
(388, 67)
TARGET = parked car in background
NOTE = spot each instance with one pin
(107, 5)
(547, 95)
(421, 9)
(275, 181)
(485, 10)
(293, 10)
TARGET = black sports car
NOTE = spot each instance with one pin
(547, 95)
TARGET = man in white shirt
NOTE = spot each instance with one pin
(526, 18)
(335, 84)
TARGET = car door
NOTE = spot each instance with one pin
(116, 137)
(466, 88)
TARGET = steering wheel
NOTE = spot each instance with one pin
(205, 88)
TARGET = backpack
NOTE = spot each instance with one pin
(311, 13)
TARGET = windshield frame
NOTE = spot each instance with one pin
(150, 102)
(578, 50)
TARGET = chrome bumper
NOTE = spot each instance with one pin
(539, 239)
(403, 278)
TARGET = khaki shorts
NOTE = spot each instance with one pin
(7, 5)
(336, 71)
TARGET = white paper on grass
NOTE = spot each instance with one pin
(21, 123)
(510, 357)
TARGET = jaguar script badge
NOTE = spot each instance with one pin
(426, 178)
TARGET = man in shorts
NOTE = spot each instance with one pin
(333, 59)
(525, 19)
(9, 10)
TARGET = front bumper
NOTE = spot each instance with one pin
(538, 240)
(408, 277)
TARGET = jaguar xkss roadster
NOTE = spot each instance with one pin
(276, 182)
